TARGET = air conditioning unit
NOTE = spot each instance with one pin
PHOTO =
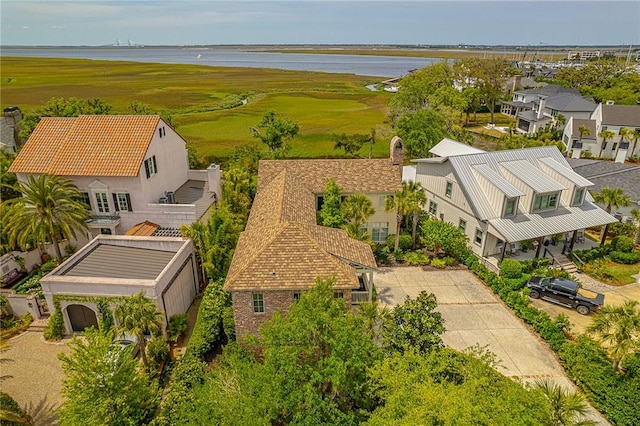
(170, 195)
(163, 200)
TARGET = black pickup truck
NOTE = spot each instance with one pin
(566, 293)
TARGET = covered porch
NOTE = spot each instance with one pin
(364, 292)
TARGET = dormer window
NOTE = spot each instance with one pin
(545, 202)
(510, 207)
(578, 197)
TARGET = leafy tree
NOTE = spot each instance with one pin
(414, 325)
(138, 315)
(140, 108)
(604, 134)
(373, 316)
(330, 212)
(618, 327)
(421, 130)
(635, 214)
(274, 132)
(7, 180)
(567, 408)
(102, 385)
(355, 210)
(192, 155)
(489, 76)
(417, 200)
(438, 235)
(352, 144)
(61, 107)
(399, 203)
(48, 210)
(611, 197)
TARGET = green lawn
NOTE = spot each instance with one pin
(198, 98)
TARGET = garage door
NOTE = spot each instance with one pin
(181, 292)
(81, 317)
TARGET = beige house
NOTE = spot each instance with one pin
(130, 168)
(500, 199)
(282, 249)
(111, 267)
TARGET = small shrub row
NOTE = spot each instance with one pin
(594, 253)
(55, 326)
(207, 331)
(625, 257)
(405, 243)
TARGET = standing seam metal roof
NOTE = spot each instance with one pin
(532, 176)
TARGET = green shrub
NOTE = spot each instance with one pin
(626, 258)
(158, 349)
(228, 325)
(416, 258)
(177, 327)
(510, 268)
(438, 263)
(528, 266)
(207, 331)
(55, 327)
(623, 244)
(398, 256)
(448, 260)
(105, 323)
(621, 228)
(381, 253)
(516, 284)
(404, 244)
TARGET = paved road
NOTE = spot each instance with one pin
(474, 315)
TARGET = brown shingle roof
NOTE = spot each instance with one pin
(621, 115)
(376, 175)
(89, 145)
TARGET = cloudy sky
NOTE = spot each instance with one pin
(181, 22)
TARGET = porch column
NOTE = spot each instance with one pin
(540, 241)
(573, 239)
(370, 290)
(504, 250)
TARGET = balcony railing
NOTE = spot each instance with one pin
(358, 297)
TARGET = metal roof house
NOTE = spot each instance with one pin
(111, 267)
(500, 199)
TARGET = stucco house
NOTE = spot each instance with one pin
(500, 199)
(605, 117)
(112, 266)
(130, 168)
(525, 99)
(282, 250)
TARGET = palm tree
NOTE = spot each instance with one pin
(49, 209)
(138, 315)
(611, 198)
(626, 134)
(618, 327)
(356, 209)
(398, 202)
(566, 407)
(636, 136)
(635, 214)
(417, 200)
(604, 134)
(372, 316)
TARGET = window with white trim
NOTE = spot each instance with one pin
(478, 237)
(258, 303)
(122, 201)
(449, 189)
(379, 231)
(578, 197)
(544, 202)
(433, 207)
(102, 202)
(510, 207)
(150, 166)
(462, 225)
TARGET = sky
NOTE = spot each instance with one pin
(200, 22)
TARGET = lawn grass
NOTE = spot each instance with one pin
(198, 99)
(622, 274)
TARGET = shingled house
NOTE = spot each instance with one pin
(282, 249)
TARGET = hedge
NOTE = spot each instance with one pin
(207, 331)
(626, 258)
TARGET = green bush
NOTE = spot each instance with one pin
(207, 331)
(398, 256)
(404, 244)
(528, 266)
(55, 327)
(381, 253)
(626, 258)
(228, 325)
(448, 260)
(621, 228)
(438, 263)
(623, 244)
(177, 327)
(416, 258)
(510, 268)
(158, 349)
(595, 253)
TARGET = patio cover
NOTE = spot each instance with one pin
(560, 220)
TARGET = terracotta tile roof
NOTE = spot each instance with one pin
(89, 145)
(376, 175)
(144, 229)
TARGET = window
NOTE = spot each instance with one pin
(379, 231)
(604, 128)
(615, 145)
(122, 201)
(338, 295)
(577, 197)
(258, 302)
(478, 237)
(543, 202)
(462, 225)
(433, 207)
(150, 166)
(86, 199)
(510, 207)
(381, 201)
(442, 216)
(102, 204)
(319, 202)
(161, 131)
(296, 297)
(449, 189)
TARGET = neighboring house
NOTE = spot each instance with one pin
(501, 198)
(546, 110)
(606, 117)
(111, 267)
(525, 99)
(282, 249)
(518, 82)
(614, 175)
(9, 129)
(130, 168)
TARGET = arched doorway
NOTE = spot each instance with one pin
(81, 317)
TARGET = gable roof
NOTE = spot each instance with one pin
(353, 175)
(621, 115)
(548, 90)
(570, 102)
(88, 145)
(448, 147)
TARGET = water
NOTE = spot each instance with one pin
(378, 66)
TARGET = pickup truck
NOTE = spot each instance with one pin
(566, 293)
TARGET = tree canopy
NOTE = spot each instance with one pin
(330, 213)
(275, 131)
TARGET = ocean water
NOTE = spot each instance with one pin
(378, 66)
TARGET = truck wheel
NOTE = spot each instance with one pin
(534, 294)
(583, 310)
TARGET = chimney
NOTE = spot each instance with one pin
(541, 105)
(396, 151)
(516, 83)
(214, 175)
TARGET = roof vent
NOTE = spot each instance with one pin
(610, 102)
